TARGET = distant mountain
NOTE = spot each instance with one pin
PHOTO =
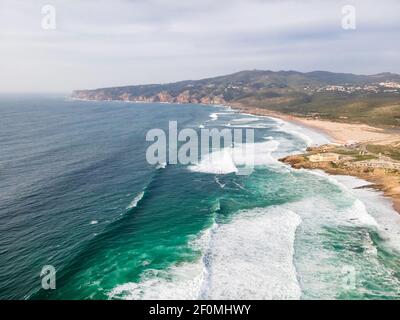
(373, 99)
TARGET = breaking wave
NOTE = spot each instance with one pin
(249, 258)
(135, 200)
(228, 160)
(252, 256)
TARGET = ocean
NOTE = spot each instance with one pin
(77, 193)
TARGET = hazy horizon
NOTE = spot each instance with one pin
(115, 43)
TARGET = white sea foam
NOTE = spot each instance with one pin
(380, 213)
(310, 137)
(214, 116)
(257, 154)
(177, 283)
(324, 229)
(252, 257)
(248, 258)
(218, 162)
(250, 125)
(246, 119)
(224, 113)
(238, 185)
(222, 185)
(358, 214)
(94, 222)
(161, 166)
(351, 182)
(328, 177)
(320, 278)
(228, 160)
(379, 207)
(136, 200)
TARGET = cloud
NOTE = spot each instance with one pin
(101, 43)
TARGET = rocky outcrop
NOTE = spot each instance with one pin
(383, 179)
(162, 96)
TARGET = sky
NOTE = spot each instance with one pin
(102, 43)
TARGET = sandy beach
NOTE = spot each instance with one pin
(346, 132)
(338, 132)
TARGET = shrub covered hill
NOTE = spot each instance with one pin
(371, 99)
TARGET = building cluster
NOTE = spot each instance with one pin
(382, 87)
(376, 164)
(393, 85)
(323, 157)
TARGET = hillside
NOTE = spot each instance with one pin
(371, 99)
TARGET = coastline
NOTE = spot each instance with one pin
(341, 133)
(338, 132)
(377, 181)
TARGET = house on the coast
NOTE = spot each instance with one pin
(323, 157)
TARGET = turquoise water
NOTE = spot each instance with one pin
(77, 193)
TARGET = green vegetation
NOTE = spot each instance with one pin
(364, 157)
(357, 154)
(360, 153)
(391, 151)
